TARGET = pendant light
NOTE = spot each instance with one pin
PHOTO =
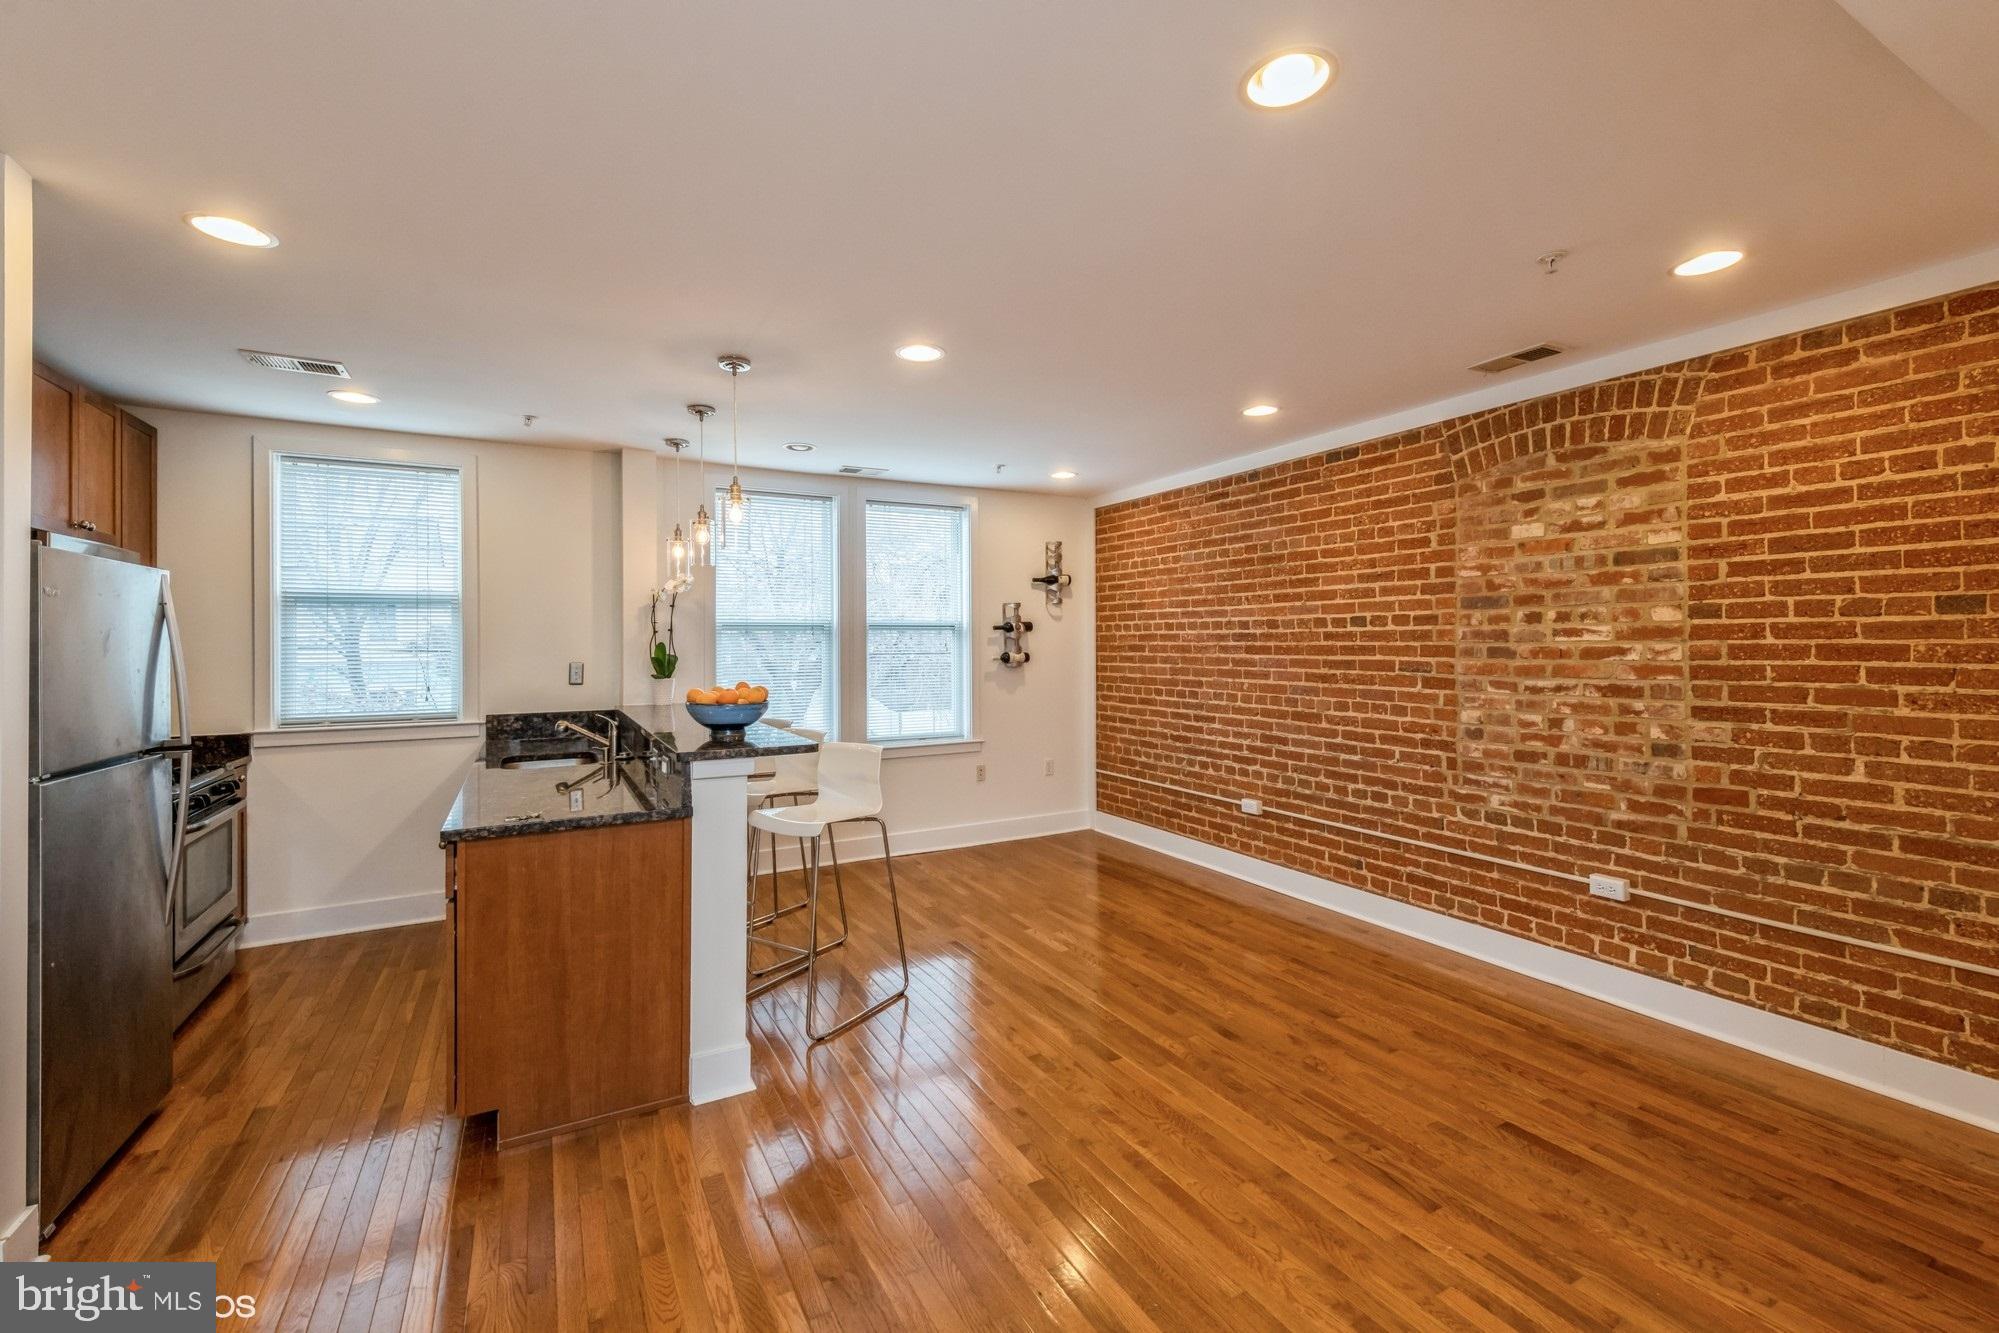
(679, 554)
(739, 503)
(702, 536)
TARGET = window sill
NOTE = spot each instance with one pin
(948, 745)
(360, 733)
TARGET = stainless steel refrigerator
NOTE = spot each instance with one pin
(105, 830)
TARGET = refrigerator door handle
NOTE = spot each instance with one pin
(183, 741)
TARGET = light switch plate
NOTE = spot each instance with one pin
(575, 673)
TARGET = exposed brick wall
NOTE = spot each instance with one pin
(1730, 628)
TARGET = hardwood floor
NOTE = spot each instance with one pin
(1125, 1094)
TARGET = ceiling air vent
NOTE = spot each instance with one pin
(1538, 352)
(851, 470)
(297, 365)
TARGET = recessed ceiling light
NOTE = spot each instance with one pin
(920, 352)
(1288, 78)
(799, 447)
(1714, 261)
(1063, 474)
(1260, 410)
(351, 396)
(232, 230)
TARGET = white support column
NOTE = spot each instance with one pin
(18, 1229)
(718, 1046)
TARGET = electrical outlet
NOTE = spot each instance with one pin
(1611, 887)
(1251, 806)
(1048, 768)
(981, 771)
(575, 673)
(575, 801)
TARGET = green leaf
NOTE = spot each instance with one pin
(663, 662)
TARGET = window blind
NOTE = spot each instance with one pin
(368, 579)
(775, 602)
(918, 638)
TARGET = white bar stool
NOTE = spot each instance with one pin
(792, 778)
(850, 792)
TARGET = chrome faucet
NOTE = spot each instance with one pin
(609, 742)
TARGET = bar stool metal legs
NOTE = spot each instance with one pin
(789, 966)
(784, 970)
(812, 957)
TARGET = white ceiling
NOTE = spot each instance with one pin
(567, 209)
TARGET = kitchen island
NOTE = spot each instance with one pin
(595, 910)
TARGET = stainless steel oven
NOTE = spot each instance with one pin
(208, 899)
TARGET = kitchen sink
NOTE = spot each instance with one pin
(578, 760)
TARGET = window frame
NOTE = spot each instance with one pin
(267, 450)
(866, 496)
(837, 701)
(850, 500)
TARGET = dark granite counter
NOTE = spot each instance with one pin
(669, 725)
(650, 781)
(219, 751)
(507, 802)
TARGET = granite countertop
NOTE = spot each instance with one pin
(669, 725)
(219, 751)
(500, 802)
(650, 783)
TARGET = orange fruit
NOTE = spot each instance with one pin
(727, 697)
(743, 685)
(757, 695)
(700, 696)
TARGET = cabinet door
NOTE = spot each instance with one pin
(55, 418)
(138, 452)
(93, 471)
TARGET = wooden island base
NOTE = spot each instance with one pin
(569, 956)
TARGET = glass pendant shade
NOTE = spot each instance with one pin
(738, 506)
(704, 539)
(678, 559)
(679, 555)
(701, 533)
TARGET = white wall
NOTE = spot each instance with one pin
(343, 835)
(17, 370)
(1027, 717)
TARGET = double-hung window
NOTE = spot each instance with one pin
(853, 609)
(776, 605)
(919, 642)
(367, 568)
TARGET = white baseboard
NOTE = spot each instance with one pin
(311, 923)
(861, 842)
(1957, 1093)
(22, 1240)
(722, 1072)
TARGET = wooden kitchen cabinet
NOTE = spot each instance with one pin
(95, 466)
(93, 470)
(138, 486)
(55, 423)
(569, 962)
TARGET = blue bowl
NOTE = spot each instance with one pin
(726, 719)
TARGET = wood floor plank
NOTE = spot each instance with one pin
(1124, 1094)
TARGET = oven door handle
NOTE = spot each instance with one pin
(218, 939)
(226, 813)
(184, 741)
